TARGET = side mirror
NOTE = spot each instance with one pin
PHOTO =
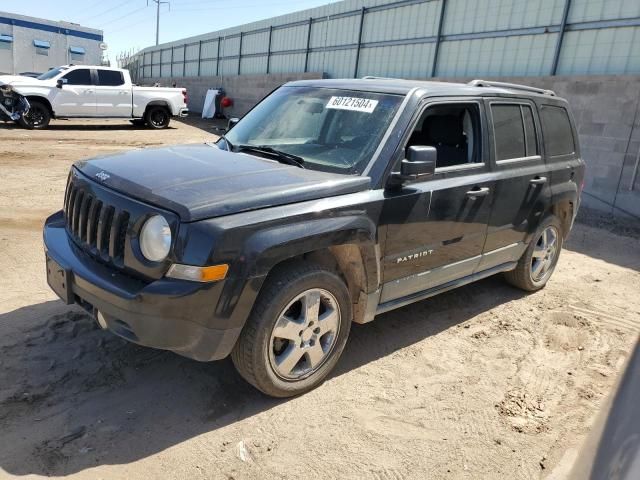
(61, 82)
(232, 123)
(420, 163)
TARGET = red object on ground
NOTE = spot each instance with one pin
(226, 102)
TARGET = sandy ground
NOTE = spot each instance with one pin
(481, 382)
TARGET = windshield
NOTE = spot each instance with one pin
(331, 130)
(52, 73)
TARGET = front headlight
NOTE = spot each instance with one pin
(155, 238)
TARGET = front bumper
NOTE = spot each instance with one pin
(168, 314)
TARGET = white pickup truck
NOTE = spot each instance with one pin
(82, 91)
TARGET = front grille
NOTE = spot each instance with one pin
(97, 227)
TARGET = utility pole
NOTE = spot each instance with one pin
(158, 3)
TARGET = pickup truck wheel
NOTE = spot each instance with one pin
(296, 332)
(157, 117)
(37, 118)
(539, 260)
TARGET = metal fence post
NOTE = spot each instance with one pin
(306, 55)
(184, 60)
(436, 49)
(269, 48)
(218, 59)
(355, 69)
(240, 54)
(171, 69)
(563, 25)
(199, 55)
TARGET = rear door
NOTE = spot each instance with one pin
(113, 95)
(77, 97)
(522, 179)
(436, 228)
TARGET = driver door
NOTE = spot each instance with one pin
(437, 226)
(77, 97)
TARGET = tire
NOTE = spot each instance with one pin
(539, 260)
(157, 117)
(259, 354)
(37, 118)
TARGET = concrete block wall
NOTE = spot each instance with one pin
(607, 113)
(606, 109)
(245, 90)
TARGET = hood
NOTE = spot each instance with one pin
(18, 80)
(202, 181)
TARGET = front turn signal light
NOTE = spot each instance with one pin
(212, 273)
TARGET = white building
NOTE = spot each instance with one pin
(34, 45)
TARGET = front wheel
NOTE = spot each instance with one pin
(296, 332)
(539, 260)
(157, 117)
(37, 117)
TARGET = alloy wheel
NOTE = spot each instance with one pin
(35, 116)
(158, 118)
(544, 253)
(304, 334)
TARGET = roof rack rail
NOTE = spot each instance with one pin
(513, 86)
(373, 77)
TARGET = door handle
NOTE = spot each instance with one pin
(478, 192)
(538, 180)
(89, 91)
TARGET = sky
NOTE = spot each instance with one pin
(131, 24)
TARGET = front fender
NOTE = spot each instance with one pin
(34, 91)
(266, 248)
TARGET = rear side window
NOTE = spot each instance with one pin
(110, 78)
(508, 130)
(82, 76)
(514, 131)
(558, 136)
(529, 131)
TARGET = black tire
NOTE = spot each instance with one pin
(524, 276)
(37, 118)
(157, 117)
(255, 350)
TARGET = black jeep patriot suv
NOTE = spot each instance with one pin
(330, 202)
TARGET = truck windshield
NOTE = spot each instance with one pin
(52, 73)
(331, 130)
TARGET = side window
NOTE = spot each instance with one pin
(81, 76)
(454, 130)
(558, 136)
(110, 78)
(508, 131)
(529, 131)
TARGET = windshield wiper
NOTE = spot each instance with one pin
(282, 157)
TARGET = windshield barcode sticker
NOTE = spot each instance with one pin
(365, 105)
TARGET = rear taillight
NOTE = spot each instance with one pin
(186, 97)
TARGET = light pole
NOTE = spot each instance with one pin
(158, 3)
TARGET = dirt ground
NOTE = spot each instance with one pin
(480, 382)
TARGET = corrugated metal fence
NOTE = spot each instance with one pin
(416, 39)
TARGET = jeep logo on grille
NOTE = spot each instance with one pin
(103, 176)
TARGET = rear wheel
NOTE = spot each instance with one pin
(37, 117)
(296, 332)
(157, 117)
(539, 260)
